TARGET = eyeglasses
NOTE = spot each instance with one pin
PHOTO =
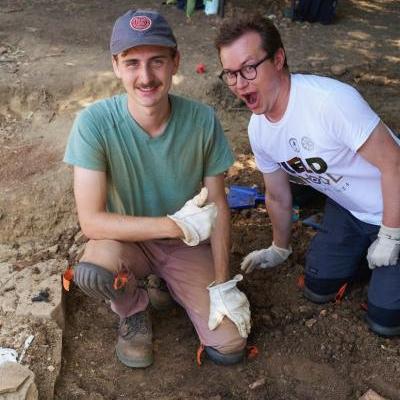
(248, 72)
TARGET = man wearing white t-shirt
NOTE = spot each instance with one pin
(323, 132)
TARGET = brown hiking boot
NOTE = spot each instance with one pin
(158, 292)
(134, 347)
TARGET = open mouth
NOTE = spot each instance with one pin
(250, 98)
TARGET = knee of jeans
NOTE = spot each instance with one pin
(324, 286)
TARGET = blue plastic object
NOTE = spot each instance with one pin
(240, 197)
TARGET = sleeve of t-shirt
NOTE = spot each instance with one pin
(218, 154)
(348, 117)
(85, 148)
(263, 160)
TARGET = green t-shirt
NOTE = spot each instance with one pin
(149, 176)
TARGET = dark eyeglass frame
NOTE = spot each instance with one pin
(239, 71)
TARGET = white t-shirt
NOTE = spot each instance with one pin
(317, 139)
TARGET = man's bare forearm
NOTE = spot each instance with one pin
(221, 244)
(391, 198)
(280, 215)
(104, 225)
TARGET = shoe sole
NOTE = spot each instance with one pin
(385, 331)
(143, 363)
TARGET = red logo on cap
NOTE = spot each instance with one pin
(140, 23)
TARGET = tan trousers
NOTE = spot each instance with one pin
(186, 270)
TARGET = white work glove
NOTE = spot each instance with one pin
(227, 300)
(265, 258)
(385, 249)
(196, 219)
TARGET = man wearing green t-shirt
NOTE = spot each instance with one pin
(139, 158)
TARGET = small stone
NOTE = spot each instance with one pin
(3, 50)
(306, 311)
(257, 383)
(311, 322)
(323, 313)
(371, 395)
(338, 69)
(51, 368)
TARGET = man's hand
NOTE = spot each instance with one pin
(385, 249)
(227, 300)
(265, 258)
(196, 219)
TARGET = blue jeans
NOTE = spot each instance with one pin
(335, 255)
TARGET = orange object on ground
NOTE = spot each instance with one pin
(68, 276)
(120, 280)
(252, 352)
(200, 68)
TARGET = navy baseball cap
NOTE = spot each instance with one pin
(138, 28)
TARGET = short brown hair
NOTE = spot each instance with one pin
(232, 29)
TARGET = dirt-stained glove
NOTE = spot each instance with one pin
(227, 300)
(265, 258)
(385, 249)
(196, 219)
